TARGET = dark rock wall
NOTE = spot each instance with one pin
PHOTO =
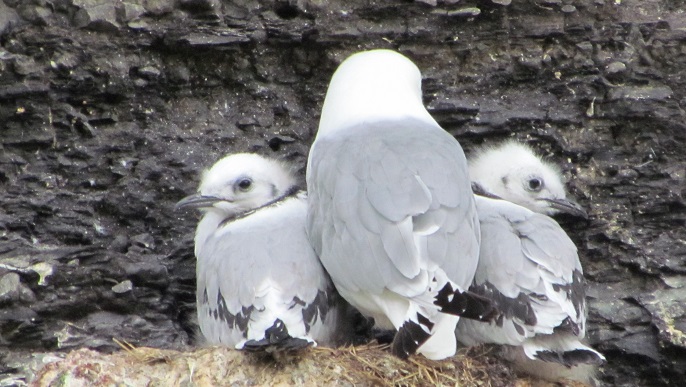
(110, 109)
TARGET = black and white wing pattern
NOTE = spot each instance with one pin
(394, 224)
(525, 255)
(261, 285)
(391, 213)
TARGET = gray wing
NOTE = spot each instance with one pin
(258, 269)
(527, 253)
(388, 207)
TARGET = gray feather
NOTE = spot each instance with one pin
(395, 190)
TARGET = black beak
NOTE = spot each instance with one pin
(196, 201)
(567, 207)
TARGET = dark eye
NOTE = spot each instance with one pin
(245, 184)
(535, 184)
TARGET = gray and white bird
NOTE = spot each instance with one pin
(391, 212)
(259, 283)
(527, 256)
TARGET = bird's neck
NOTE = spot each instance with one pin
(290, 192)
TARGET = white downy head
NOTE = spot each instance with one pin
(239, 183)
(514, 172)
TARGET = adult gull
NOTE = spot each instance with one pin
(391, 212)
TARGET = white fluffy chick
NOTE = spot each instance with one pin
(260, 286)
(526, 258)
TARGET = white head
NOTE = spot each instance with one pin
(239, 183)
(515, 173)
(371, 86)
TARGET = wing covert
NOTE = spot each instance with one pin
(382, 188)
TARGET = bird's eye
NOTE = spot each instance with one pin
(245, 184)
(535, 184)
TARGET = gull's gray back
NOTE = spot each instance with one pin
(365, 187)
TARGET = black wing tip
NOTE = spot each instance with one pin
(276, 338)
(410, 337)
(571, 358)
(507, 307)
(287, 345)
(466, 304)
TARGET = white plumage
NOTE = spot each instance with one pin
(391, 213)
(514, 172)
(527, 256)
(259, 283)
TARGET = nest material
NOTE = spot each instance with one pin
(369, 365)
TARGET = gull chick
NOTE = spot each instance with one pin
(391, 212)
(515, 173)
(259, 283)
(526, 256)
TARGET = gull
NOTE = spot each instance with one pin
(391, 212)
(526, 255)
(260, 286)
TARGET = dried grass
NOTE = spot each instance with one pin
(367, 365)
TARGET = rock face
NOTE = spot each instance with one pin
(110, 110)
